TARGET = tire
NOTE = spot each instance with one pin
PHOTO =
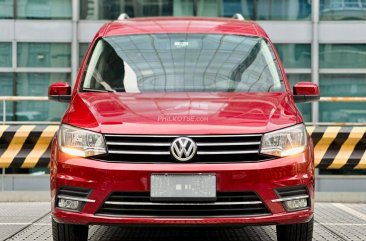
(295, 232)
(69, 232)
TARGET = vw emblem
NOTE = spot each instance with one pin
(183, 149)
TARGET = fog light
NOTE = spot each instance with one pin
(296, 204)
(68, 204)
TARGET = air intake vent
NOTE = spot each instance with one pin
(74, 192)
(139, 204)
(210, 148)
(292, 191)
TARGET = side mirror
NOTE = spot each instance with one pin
(59, 91)
(306, 92)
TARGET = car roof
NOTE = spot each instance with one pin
(182, 25)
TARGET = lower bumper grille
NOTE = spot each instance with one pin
(227, 204)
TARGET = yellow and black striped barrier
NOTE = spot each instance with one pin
(339, 147)
(26, 146)
(336, 147)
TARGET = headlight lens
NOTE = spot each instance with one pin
(285, 142)
(79, 142)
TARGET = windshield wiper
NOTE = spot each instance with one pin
(96, 90)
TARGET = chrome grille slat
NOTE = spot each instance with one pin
(229, 144)
(76, 198)
(141, 152)
(290, 198)
(191, 136)
(156, 148)
(162, 211)
(225, 152)
(227, 204)
(216, 136)
(159, 136)
(137, 144)
(184, 204)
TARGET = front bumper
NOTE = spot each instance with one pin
(103, 178)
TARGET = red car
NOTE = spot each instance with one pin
(182, 121)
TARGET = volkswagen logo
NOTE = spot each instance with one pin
(183, 149)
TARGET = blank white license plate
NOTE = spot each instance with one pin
(183, 187)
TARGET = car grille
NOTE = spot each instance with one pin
(210, 148)
(227, 204)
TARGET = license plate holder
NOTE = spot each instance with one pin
(169, 187)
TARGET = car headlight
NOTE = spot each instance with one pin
(79, 142)
(285, 142)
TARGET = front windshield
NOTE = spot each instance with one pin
(182, 63)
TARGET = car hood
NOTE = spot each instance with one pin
(182, 113)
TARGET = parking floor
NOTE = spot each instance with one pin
(31, 221)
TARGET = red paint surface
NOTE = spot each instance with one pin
(59, 88)
(306, 88)
(155, 113)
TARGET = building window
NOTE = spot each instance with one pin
(111, 9)
(44, 55)
(305, 108)
(83, 47)
(352, 85)
(36, 58)
(36, 84)
(6, 89)
(342, 56)
(342, 85)
(342, 10)
(31, 84)
(5, 55)
(342, 112)
(273, 9)
(43, 9)
(6, 9)
(251, 9)
(295, 55)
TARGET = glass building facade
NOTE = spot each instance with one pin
(44, 41)
(251, 9)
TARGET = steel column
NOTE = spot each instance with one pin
(315, 55)
(75, 43)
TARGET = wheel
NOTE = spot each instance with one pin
(295, 232)
(69, 232)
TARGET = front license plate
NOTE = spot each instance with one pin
(183, 187)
